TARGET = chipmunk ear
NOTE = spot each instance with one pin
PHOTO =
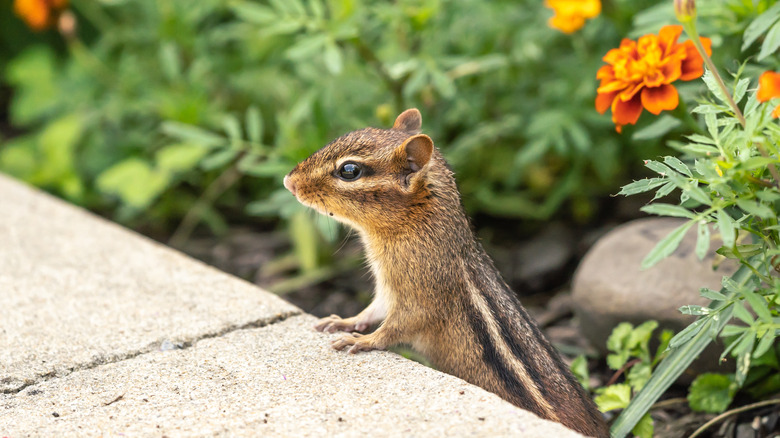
(415, 152)
(409, 121)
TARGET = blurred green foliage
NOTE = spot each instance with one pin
(170, 114)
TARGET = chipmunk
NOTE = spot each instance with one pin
(436, 288)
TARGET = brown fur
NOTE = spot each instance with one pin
(437, 290)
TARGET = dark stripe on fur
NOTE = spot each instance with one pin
(573, 405)
(552, 353)
(491, 357)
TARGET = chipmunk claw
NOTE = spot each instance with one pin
(355, 341)
(335, 323)
(329, 324)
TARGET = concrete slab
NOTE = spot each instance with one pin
(279, 380)
(77, 291)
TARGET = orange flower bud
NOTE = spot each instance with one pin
(685, 10)
(67, 24)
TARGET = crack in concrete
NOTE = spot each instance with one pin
(152, 347)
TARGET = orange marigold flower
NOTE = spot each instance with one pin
(39, 14)
(769, 88)
(570, 15)
(640, 74)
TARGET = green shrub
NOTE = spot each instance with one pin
(163, 98)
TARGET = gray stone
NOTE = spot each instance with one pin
(609, 287)
(76, 290)
(279, 380)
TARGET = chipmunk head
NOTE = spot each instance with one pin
(371, 178)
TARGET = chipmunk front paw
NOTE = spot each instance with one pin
(335, 323)
(356, 342)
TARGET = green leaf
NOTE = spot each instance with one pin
(57, 143)
(254, 12)
(711, 120)
(712, 295)
(750, 250)
(660, 168)
(698, 138)
(644, 428)
(752, 104)
(316, 8)
(687, 333)
(307, 47)
(711, 393)
(663, 344)
(740, 89)
(768, 195)
(756, 209)
(618, 338)
(667, 210)
(742, 313)
(264, 169)
(613, 397)
(744, 353)
(254, 125)
(180, 157)
(641, 186)
(192, 133)
(691, 309)
(617, 360)
(134, 181)
(678, 165)
(701, 149)
(640, 336)
(767, 340)
(638, 375)
(665, 190)
(759, 305)
(169, 61)
(443, 84)
(753, 163)
(760, 25)
(232, 128)
(702, 240)
(334, 61)
(579, 367)
(771, 42)
(726, 227)
(667, 245)
(19, 157)
(34, 78)
(712, 84)
(732, 330)
(218, 159)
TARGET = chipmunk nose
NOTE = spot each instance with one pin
(289, 184)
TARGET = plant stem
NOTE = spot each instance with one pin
(224, 181)
(690, 29)
(726, 414)
(622, 370)
(396, 86)
(669, 402)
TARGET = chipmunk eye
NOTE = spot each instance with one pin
(350, 171)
